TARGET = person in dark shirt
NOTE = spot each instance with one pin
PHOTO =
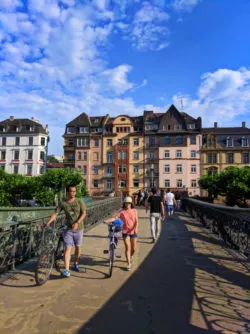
(156, 206)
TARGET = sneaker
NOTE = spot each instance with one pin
(66, 273)
(129, 267)
(153, 240)
(76, 268)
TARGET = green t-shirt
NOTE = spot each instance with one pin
(72, 211)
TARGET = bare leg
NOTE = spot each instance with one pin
(133, 242)
(67, 255)
(77, 254)
(127, 249)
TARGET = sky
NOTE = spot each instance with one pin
(60, 58)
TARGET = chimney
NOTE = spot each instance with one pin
(32, 118)
(215, 124)
(11, 118)
(243, 124)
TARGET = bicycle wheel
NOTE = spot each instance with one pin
(44, 267)
(111, 258)
(59, 256)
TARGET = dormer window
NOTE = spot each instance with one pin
(99, 129)
(167, 140)
(179, 140)
(229, 142)
(69, 129)
(83, 129)
(191, 126)
(178, 127)
(17, 129)
(244, 142)
(31, 129)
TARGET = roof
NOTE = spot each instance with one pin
(227, 131)
(10, 126)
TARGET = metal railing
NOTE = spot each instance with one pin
(231, 225)
(21, 241)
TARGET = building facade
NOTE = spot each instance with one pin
(23, 146)
(223, 147)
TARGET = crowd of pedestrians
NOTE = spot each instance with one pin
(157, 202)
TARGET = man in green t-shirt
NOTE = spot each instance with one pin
(75, 212)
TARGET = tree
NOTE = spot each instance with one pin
(210, 183)
(52, 159)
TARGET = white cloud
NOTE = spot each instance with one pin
(10, 5)
(185, 5)
(149, 28)
(117, 79)
(222, 96)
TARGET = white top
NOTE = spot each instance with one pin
(169, 197)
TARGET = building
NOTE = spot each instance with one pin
(223, 147)
(23, 146)
(172, 151)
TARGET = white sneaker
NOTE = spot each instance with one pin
(129, 267)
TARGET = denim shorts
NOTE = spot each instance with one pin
(72, 238)
(132, 236)
(170, 208)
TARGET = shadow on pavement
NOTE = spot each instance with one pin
(178, 290)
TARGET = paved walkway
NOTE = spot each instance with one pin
(185, 283)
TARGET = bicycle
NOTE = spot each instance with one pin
(52, 252)
(114, 228)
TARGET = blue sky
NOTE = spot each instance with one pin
(60, 58)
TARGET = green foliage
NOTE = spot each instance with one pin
(52, 159)
(233, 183)
(43, 189)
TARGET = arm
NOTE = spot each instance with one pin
(147, 205)
(52, 218)
(80, 219)
(174, 201)
(162, 210)
(136, 223)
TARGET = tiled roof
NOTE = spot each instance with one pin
(22, 123)
(227, 131)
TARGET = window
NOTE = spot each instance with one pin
(136, 169)
(95, 156)
(31, 129)
(193, 154)
(167, 183)
(152, 141)
(69, 129)
(41, 169)
(179, 154)
(2, 167)
(179, 183)
(167, 140)
(70, 142)
(230, 158)
(82, 141)
(109, 170)
(119, 142)
(84, 169)
(178, 168)
(79, 155)
(15, 169)
(179, 140)
(70, 156)
(136, 141)
(212, 158)
(96, 170)
(30, 141)
(42, 141)
(4, 141)
(193, 184)
(167, 154)
(192, 140)
(109, 185)
(29, 169)
(42, 156)
(95, 183)
(191, 126)
(83, 129)
(124, 155)
(30, 154)
(110, 157)
(211, 141)
(167, 168)
(178, 127)
(109, 142)
(122, 169)
(244, 142)
(17, 141)
(136, 155)
(125, 141)
(96, 142)
(151, 155)
(16, 155)
(229, 142)
(3, 155)
(122, 183)
(193, 168)
(85, 156)
(245, 158)
(136, 183)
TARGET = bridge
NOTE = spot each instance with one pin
(189, 281)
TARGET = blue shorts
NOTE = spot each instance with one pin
(72, 238)
(132, 236)
(170, 208)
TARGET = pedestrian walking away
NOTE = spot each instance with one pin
(75, 212)
(170, 202)
(128, 214)
(157, 212)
